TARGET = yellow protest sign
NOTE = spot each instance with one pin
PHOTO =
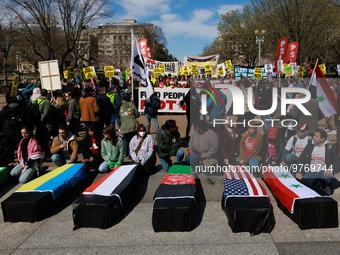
(179, 71)
(81, 69)
(65, 75)
(153, 80)
(186, 70)
(220, 71)
(89, 74)
(284, 65)
(162, 68)
(301, 71)
(127, 71)
(323, 68)
(14, 90)
(71, 73)
(229, 65)
(208, 69)
(288, 70)
(258, 73)
(194, 70)
(109, 71)
(157, 72)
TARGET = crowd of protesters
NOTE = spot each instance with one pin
(57, 117)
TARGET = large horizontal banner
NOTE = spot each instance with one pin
(169, 98)
(202, 61)
(243, 71)
(169, 67)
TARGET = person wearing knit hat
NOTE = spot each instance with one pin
(272, 147)
(251, 145)
(295, 145)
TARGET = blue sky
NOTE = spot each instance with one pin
(188, 25)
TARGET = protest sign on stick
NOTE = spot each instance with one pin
(49, 75)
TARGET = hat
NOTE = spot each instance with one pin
(272, 132)
(252, 124)
(303, 127)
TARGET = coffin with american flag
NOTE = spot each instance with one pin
(102, 203)
(246, 202)
(174, 207)
(36, 199)
(307, 205)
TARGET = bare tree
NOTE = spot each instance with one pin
(53, 27)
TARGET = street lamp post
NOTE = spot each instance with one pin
(259, 39)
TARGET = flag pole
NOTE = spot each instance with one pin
(310, 81)
(131, 67)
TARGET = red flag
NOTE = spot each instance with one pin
(148, 50)
(281, 51)
(292, 52)
(143, 47)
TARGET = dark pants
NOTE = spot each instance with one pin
(43, 135)
(150, 166)
(127, 138)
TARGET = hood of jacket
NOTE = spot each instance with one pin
(126, 104)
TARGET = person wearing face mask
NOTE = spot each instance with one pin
(203, 146)
(142, 150)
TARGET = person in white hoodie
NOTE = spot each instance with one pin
(142, 150)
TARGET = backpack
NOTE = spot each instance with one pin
(160, 130)
(155, 102)
(35, 113)
(14, 121)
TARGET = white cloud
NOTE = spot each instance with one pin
(197, 26)
(136, 9)
(223, 9)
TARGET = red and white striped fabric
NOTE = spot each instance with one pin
(238, 172)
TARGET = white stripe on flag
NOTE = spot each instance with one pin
(109, 185)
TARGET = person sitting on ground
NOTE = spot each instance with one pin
(272, 147)
(229, 139)
(112, 150)
(322, 159)
(203, 145)
(295, 146)
(169, 143)
(64, 147)
(142, 149)
(251, 146)
(91, 149)
(29, 155)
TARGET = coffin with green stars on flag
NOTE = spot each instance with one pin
(3, 175)
(174, 207)
(36, 199)
(306, 204)
(245, 202)
(102, 203)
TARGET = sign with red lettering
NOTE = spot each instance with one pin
(281, 51)
(292, 52)
(143, 47)
(169, 97)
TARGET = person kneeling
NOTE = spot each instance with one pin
(91, 149)
(29, 153)
(142, 149)
(64, 147)
(112, 150)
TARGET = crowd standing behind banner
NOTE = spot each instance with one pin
(99, 104)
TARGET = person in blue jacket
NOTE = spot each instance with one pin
(217, 108)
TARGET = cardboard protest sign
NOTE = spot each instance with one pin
(14, 90)
(157, 72)
(208, 69)
(323, 68)
(65, 75)
(49, 75)
(229, 65)
(194, 70)
(89, 73)
(109, 71)
(269, 69)
(71, 73)
(186, 70)
(301, 71)
(279, 66)
(161, 68)
(258, 73)
(288, 70)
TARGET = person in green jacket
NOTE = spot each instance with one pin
(169, 143)
(112, 150)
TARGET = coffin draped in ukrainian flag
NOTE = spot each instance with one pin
(303, 202)
(37, 198)
(3, 175)
(174, 207)
(102, 203)
(245, 202)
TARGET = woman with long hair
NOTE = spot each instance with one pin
(112, 150)
(29, 155)
(91, 149)
(142, 150)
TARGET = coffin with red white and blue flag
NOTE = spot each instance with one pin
(174, 207)
(102, 203)
(304, 203)
(246, 202)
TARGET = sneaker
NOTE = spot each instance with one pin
(327, 190)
